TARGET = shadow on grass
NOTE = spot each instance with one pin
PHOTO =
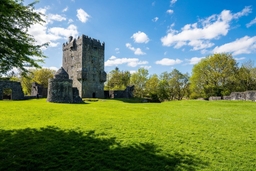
(54, 149)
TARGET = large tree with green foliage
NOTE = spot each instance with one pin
(17, 48)
(246, 77)
(40, 76)
(139, 79)
(214, 75)
(151, 87)
(173, 85)
(117, 80)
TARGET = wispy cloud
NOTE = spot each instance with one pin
(239, 59)
(244, 45)
(199, 35)
(117, 50)
(55, 17)
(82, 15)
(251, 23)
(173, 2)
(195, 60)
(65, 9)
(168, 62)
(169, 11)
(137, 51)
(155, 19)
(132, 62)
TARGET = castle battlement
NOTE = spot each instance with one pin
(83, 60)
(86, 40)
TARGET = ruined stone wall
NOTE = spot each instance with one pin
(215, 98)
(247, 95)
(38, 89)
(83, 59)
(17, 93)
(127, 93)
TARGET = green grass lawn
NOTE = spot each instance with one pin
(121, 135)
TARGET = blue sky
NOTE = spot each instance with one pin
(159, 35)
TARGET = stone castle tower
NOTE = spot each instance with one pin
(83, 60)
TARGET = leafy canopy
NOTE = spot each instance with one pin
(214, 75)
(18, 49)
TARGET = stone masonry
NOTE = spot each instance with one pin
(60, 88)
(83, 59)
(17, 93)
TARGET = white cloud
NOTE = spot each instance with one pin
(71, 30)
(244, 12)
(146, 67)
(244, 45)
(168, 62)
(195, 60)
(169, 11)
(117, 50)
(239, 59)
(43, 33)
(173, 2)
(137, 51)
(55, 17)
(251, 23)
(155, 19)
(198, 35)
(52, 68)
(82, 15)
(132, 62)
(70, 21)
(200, 44)
(140, 37)
(65, 9)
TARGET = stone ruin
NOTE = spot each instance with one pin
(60, 89)
(247, 95)
(83, 60)
(16, 90)
(127, 93)
(82, 75)
(38, 90)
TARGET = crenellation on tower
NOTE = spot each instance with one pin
(83, 60)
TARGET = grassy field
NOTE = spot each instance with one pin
(122, 135)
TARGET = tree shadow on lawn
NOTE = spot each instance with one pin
(51, 148)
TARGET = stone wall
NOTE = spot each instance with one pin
(127, 93)
(38, 89)
(17, 93)
(215, 98)
(83, 59)
(247, 95)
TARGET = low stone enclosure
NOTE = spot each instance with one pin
(60, 89)
(247, 95)
(15, 87)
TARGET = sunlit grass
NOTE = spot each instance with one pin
(186, 135)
